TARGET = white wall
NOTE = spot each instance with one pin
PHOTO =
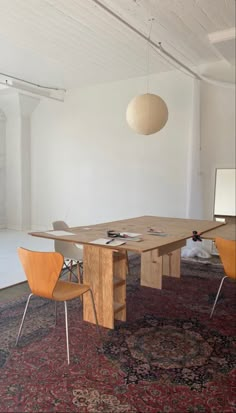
(89, 167)
(217, 137)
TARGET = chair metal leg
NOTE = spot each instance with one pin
(80, 275)
(23, 318)
(81, 267)
(95, 312)
(216, 299)
(70, 271)
(79, 271)
(67, 335)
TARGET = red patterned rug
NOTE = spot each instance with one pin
(169, 357)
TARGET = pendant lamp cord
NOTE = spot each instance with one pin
(148, 52)
(158, 48)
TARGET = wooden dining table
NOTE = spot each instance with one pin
(159, 242)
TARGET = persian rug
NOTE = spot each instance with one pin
(168, 357)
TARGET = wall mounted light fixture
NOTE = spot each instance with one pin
(32, 88)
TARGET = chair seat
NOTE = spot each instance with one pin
(65, 290)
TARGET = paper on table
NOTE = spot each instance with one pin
(104, 241)
(130, 234)
(59, 233)
(134, 239)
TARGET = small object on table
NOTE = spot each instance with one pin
(160, 233)
(113, 234)
(110, 240)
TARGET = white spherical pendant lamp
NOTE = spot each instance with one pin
(147, 114)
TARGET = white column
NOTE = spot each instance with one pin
(27, 106)
(3, 219)
(194, 188)
(18, 109)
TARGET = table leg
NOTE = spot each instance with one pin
(171, 263)
(120, 270)
(151, 269)
(105, 271)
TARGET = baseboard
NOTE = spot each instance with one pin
(13, 285)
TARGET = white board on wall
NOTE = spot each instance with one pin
(225, 183)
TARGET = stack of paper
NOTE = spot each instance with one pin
(59, 233)
(130, 236)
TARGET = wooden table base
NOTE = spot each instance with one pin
(153, 267)
(105, 272)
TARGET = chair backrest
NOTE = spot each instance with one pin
(42, 270)
(57, 225)
(67, 249)
(227, 252)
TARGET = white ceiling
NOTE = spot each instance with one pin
(70, 43)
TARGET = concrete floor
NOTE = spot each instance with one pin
(14, 292)
(11, 272)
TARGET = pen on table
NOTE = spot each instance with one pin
(110, 240)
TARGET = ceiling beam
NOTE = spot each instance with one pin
(140, 34)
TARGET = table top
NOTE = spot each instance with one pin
(174, 232)
(227, 231)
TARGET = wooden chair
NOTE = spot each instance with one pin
(227, 253)
(71, 252)
(42, 270)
